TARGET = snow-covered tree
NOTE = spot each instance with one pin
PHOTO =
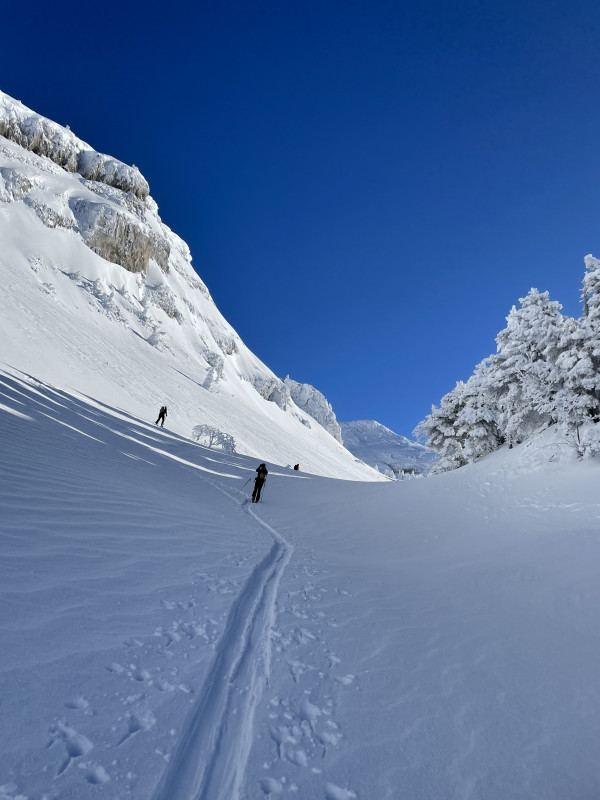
(213, 438)
(478, 422)
(511, 394)
(579, 399)
(440, 430)
(524, 372)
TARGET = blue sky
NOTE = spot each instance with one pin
(366, 187)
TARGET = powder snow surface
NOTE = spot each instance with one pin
(164, 639)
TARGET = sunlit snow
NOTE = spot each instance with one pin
(162, 638)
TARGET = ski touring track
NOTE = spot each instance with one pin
(209, 761)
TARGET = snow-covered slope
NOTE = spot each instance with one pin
(100, 296)
(393, 455)
(163, 639)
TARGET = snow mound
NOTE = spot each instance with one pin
(548, 450)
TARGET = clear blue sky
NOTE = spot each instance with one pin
(366, 186)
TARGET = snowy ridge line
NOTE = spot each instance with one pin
(210, 759)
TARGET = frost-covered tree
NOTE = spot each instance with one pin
(524, 372)
(213, 438)
(464, 427)
(511, 394)
(440, 430)
(546, 371)
(478, 422)
(579, 399)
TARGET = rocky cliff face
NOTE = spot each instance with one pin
(46, 138)
(116, 223)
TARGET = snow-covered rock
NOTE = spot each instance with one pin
(316, 405)
(46, 138)
(390, 453)
(101, 297)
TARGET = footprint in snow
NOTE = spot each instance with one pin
(270, 786)
(333, 792)
(96, 775)
(75, 743)
(79, 704)
(138, 721)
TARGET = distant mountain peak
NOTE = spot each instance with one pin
(388, 452)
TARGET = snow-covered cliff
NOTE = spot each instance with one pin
(100, 297)
(393, 455)
(316, 405)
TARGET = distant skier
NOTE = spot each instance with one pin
(296, 467)
(161, 416)
(261, 474)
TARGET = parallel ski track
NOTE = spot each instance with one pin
(210, 759)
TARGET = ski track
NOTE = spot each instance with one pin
(210, 758)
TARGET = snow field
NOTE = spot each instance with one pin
(164, 638)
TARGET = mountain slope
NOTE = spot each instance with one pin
(393, 455)
(100, 296)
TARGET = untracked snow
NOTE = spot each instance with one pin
(162, 638)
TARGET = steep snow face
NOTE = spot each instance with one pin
(100, 297)
(314, 403)
(393, 455)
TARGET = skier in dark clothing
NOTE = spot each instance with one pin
(261, 474)
(161, 416)
(296, 467)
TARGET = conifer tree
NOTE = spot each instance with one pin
(440, 431)
(477, 424)
(524, 371)
(579, 399)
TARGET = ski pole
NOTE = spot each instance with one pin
(240, 489)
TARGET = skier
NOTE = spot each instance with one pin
(296, 467)
(161, 416)
(261, 474)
